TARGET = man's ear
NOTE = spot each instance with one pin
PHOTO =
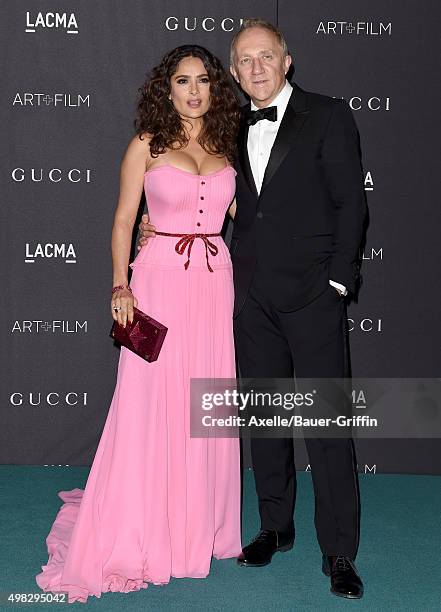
(234, 73)
(287, 62)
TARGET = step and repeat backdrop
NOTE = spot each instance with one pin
(70, 74)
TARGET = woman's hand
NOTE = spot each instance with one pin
(124, 301)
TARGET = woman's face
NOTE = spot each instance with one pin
(190, 88)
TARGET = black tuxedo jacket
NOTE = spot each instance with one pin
(306, 225)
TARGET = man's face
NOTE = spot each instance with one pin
(259, 66)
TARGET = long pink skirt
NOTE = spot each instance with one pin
(157, 502)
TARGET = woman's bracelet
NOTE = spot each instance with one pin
(121, 287)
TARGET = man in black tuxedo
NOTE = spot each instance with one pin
(295, 251)
(297, 230)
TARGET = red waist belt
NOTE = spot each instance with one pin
(186, 242)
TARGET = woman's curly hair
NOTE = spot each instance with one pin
(157, 116)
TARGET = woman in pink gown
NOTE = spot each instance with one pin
(157, 502)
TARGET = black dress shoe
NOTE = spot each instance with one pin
(345, 581)
(261, 549)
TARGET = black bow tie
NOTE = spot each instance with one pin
(270, 113)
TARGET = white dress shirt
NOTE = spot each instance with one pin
(261, 138)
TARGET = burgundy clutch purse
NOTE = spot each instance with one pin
(144, 336)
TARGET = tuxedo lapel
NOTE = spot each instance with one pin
(243, 153)
(293, 120)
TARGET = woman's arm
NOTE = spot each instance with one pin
(132, 170)
(232, 209)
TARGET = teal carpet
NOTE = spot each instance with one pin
(398, 559)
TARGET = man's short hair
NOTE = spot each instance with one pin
(258, 23)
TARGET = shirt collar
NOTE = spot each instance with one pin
(281, 100)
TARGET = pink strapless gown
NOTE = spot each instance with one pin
(158, 503)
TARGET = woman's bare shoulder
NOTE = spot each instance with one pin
(138, 149)
(141, 141)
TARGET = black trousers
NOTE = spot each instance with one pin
(311, 342)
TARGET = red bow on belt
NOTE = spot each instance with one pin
(187, 240)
